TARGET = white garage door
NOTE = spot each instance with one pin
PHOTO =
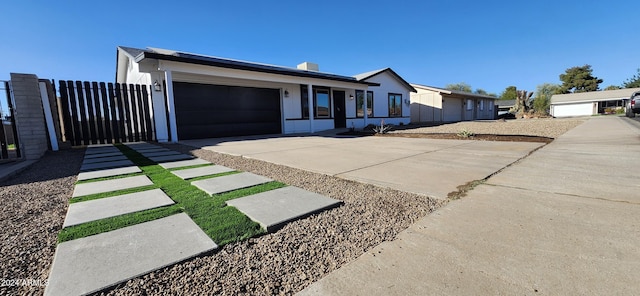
(582, 109)
(451, 110)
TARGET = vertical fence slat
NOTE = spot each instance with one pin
(98, 112)
(66, 118)
(105, 109)
(83, 114)
(140, 118)
(90, 112)
(75, 120)
(121, 113)
(133, 119)
(147, 116)
(113, 100)
(126, 119)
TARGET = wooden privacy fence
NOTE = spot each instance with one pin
(99, 113)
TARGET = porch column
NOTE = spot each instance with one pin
(171, 107)
(159, 110)
(364, 107)
(310, 103)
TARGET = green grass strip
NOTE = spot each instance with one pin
(112, 193)
(109, 178)
(223, 224)
(117, 222)
(212, 176)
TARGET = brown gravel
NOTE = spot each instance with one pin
(34, 204)
(542, 127)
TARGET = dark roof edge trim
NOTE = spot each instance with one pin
(247, 67)
(406, 84)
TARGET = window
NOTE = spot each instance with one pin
(321, 102)
(395, 105)
(481, 106)
(360, 104)
(469, 104)
(490, 103)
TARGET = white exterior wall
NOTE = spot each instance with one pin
(388, 84)
(426, 106)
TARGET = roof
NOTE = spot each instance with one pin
(367, 75)
(176, 56)
(452, 92)
(594, 96)
(505, 103)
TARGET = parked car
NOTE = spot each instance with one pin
(633, 106)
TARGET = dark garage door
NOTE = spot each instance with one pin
(210, 111)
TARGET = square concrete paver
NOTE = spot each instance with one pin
(201, 171)
(82, 212)
(105, 165)
(273, 209)
(170, 157)
(100, 155)
(230, 182)
(151, 149)
(104, 159)
(108, 173)
(100, 150)
(110, 185)
(159, 153)
(90, 264)
(183, 163)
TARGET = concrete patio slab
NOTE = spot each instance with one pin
(105, 165)
(90, 264)
(108, 173)
(159, 153)
(86, 211)
(110, 185)
(230, 182)
(201, 171)
(273, 209)
(170, 157)
(183, 163)
(106, 154)
(104, 159)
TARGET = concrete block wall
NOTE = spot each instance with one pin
(32, 130)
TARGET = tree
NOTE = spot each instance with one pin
(633, 81)
(612, 87)
(481, 91)
(542, 100)
(459, 87)
(579, 79)
(510, 93)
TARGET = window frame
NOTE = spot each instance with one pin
(397, 99)
(304, 101)
(469, 104)
(315, 102)
(361, 107)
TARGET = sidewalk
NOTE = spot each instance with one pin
(564, 221)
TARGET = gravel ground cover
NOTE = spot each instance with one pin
(34, 204)
(542, 127)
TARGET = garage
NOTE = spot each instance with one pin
(212, 111)
(566, 110)
(451, 110)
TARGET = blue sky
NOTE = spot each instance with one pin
(487, 44)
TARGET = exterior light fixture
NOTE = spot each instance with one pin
(351, 97)
(157, 86)
(286, 93)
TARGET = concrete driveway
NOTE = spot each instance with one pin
(424, 166)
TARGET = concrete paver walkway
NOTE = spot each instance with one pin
(105, 165)
(544, 226)
(108, 173)
(230, 182)
(201, 171)
(273, 209)
(183, 163)
(110, 185)
(92, 263)
(82, 212)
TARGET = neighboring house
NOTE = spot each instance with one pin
(432, 104)
(589, 103)
(197, 96)
(504, 106)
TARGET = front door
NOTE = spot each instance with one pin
(339, 114)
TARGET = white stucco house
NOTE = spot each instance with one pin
(197, 96)
(432, 104)
(589, 103)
